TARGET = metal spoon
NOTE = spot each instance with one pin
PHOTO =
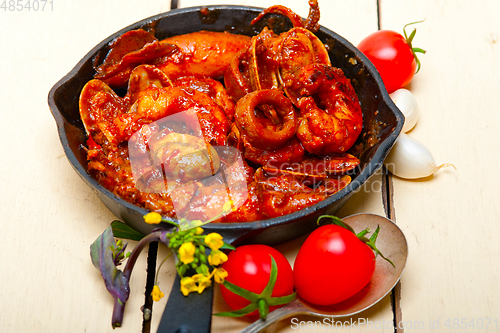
(391, 242)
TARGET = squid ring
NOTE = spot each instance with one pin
(257, 134)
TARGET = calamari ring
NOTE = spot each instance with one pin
(258, 135)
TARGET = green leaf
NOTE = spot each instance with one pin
(227, 246)
(122, 230)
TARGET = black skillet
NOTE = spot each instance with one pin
(382, 125)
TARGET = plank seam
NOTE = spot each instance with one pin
(390, 212)
(147, 308)
(378, 14)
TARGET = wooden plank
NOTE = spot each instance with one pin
(166, 277)
(452, 278)
(50, 217)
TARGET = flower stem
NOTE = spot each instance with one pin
(119, 307)
(117, 316)
(155, 236)
(158, 270)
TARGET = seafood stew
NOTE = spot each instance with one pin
(381, 123)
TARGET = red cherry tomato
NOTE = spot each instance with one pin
(249, 267)
(393, 56)
(332, 265)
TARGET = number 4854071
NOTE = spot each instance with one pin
(27, 5)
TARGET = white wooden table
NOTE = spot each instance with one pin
(50, 217)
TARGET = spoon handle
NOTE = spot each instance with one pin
(294, 307)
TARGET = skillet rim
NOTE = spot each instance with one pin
(372, 166)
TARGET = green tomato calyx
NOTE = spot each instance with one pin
(361, 235)
(260, 302)
(409, 40)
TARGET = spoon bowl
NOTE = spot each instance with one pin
(391, 242)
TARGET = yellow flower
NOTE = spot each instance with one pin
(157, 294)
(199, 231)
(197, 277)
(188, 285)
(214, 241)
(216, 258)
(228, 207)
(203, 281)
(219, 275)
(186, 253)
(152, 218)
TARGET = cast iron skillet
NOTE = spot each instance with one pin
(382, 121)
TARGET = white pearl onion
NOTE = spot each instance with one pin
(406, 102)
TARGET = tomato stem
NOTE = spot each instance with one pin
(263, 308)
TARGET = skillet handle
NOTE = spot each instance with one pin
(187, 314)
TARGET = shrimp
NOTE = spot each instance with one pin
(331, 116)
